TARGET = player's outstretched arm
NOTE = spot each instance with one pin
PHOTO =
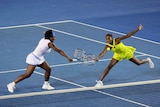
(51, 45)
(140, 27)
(101, 54)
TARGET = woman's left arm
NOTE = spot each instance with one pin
(51, 45)
(140, 27)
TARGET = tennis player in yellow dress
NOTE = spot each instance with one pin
(121, 52)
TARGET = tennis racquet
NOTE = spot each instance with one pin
(81, 55)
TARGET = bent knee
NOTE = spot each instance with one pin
(27, 75)
(49, 69)
(110, 66)
(138, 64)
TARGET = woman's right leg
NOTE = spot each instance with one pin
(106, 71)
(27, 74)
(29, 71)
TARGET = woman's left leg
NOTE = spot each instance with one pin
(137, 61)
(140, 62)
(47, 74)
(47, 69)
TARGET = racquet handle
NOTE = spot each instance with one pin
(74, 59)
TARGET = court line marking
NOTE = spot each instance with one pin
(113, 31)
(66, 21)
(89, 39)
(58, 65)
(83, 88)
(29, 25)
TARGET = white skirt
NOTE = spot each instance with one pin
(34, 60)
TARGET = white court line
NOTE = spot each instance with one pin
(29, 25)
(66, 21)
(53, 66)
(57, 65)
(74, 35)
(115, 32)
(83, 88)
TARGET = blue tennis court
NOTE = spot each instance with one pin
(126, 85)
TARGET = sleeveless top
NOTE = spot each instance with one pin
(42, 48)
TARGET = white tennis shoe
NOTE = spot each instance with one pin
(151, 64)
(11, 87)
(47, 86)
(99, 83)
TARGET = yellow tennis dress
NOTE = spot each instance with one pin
(121, 51)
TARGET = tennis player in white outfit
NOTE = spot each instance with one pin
(36, 58)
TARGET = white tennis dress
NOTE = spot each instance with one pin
(37, 56)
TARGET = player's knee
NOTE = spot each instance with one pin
(138, 64)
(49, 69)
(110, 66)
(27, 75)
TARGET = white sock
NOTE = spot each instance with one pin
(46, 82)
(13, 83)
